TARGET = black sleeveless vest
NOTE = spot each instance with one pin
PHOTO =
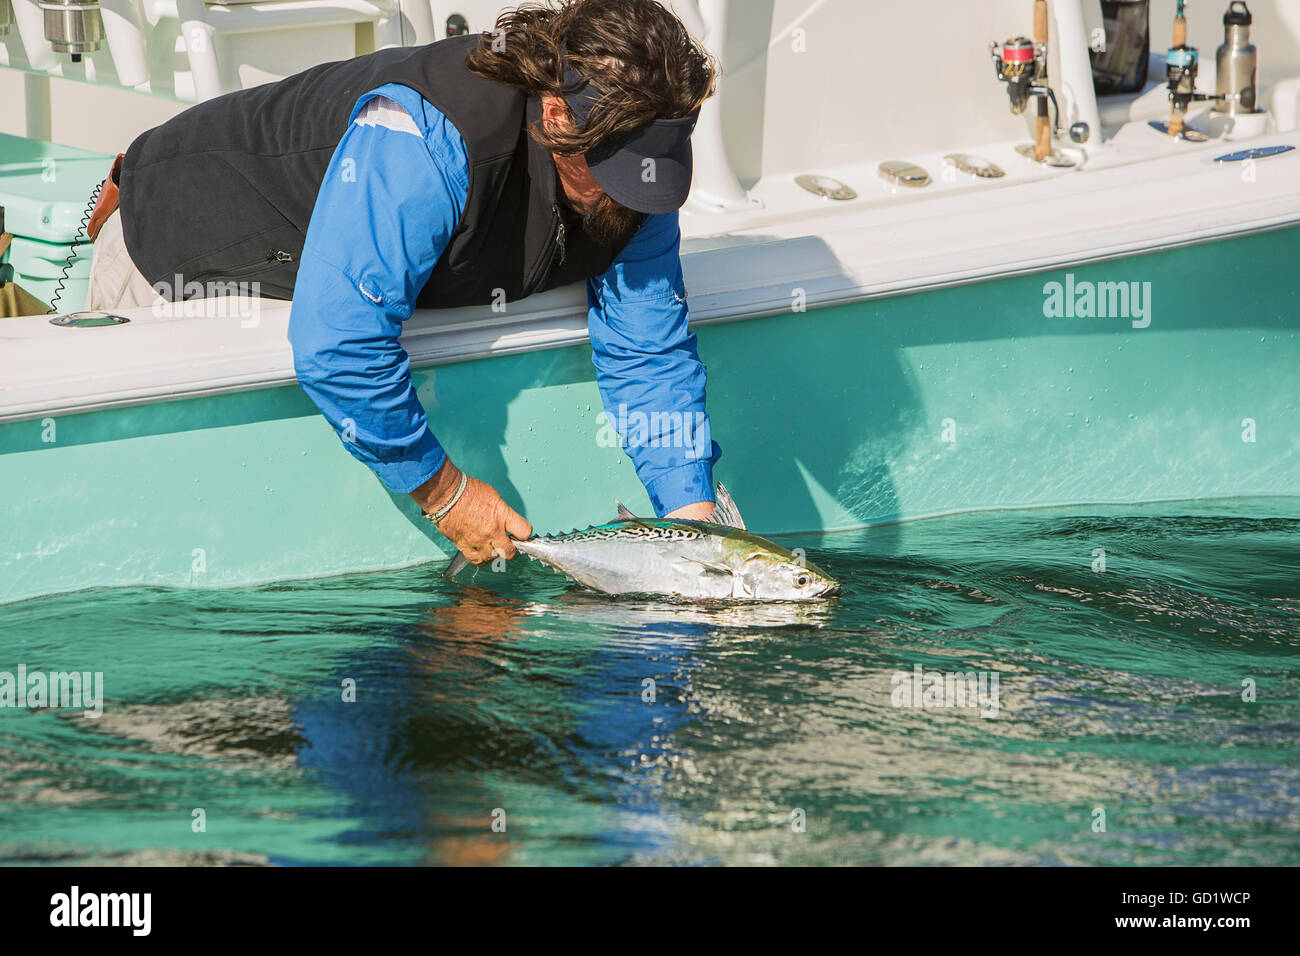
(224, 191)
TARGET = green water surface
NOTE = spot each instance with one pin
(596, 731)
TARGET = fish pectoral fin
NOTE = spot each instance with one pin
(624, 513)
(709, 567)
(725, 511)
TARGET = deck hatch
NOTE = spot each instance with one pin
(1257, 152)
(88, 320)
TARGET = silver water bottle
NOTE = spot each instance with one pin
(1236, 63)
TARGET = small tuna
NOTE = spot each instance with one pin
(698, 560)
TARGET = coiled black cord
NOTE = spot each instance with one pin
(76, 241)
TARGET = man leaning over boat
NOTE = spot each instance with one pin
(553, 149)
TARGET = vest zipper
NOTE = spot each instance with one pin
(546, 263)
(272, 255)
(559, 231)
(260, 265)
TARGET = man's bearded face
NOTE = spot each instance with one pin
(607, 221)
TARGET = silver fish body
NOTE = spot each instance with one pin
(698, 560)
(689, 559)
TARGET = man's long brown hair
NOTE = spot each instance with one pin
(640, 56)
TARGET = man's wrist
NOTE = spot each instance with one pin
(435, 493)
(697, 511)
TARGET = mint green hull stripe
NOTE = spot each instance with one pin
(961, 398)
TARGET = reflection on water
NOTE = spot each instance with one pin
(393, 718)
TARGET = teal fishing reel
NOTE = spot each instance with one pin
(1182, 62)
(1181, 65)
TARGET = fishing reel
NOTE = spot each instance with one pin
(1181, 65)
(1181, 62)
(1022, 65)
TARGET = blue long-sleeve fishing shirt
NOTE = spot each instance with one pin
(392, 196)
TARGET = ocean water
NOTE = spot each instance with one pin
(1147, 713)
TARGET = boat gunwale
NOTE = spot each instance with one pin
(559, 318)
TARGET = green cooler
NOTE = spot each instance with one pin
(46, 190)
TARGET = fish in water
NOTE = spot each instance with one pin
(700, 560)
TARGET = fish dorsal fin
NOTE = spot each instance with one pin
(623, 513)
(725, 511)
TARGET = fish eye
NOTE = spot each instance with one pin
(802, 581)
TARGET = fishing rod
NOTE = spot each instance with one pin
(1181, 64)
(1021, 63)
(1042, 127)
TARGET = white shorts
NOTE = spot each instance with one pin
(115, 282)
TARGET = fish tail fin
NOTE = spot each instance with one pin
(455, 566)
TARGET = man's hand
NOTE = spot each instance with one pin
(481, 523)
(700, 511)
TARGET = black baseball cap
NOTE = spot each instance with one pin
(619, 164)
